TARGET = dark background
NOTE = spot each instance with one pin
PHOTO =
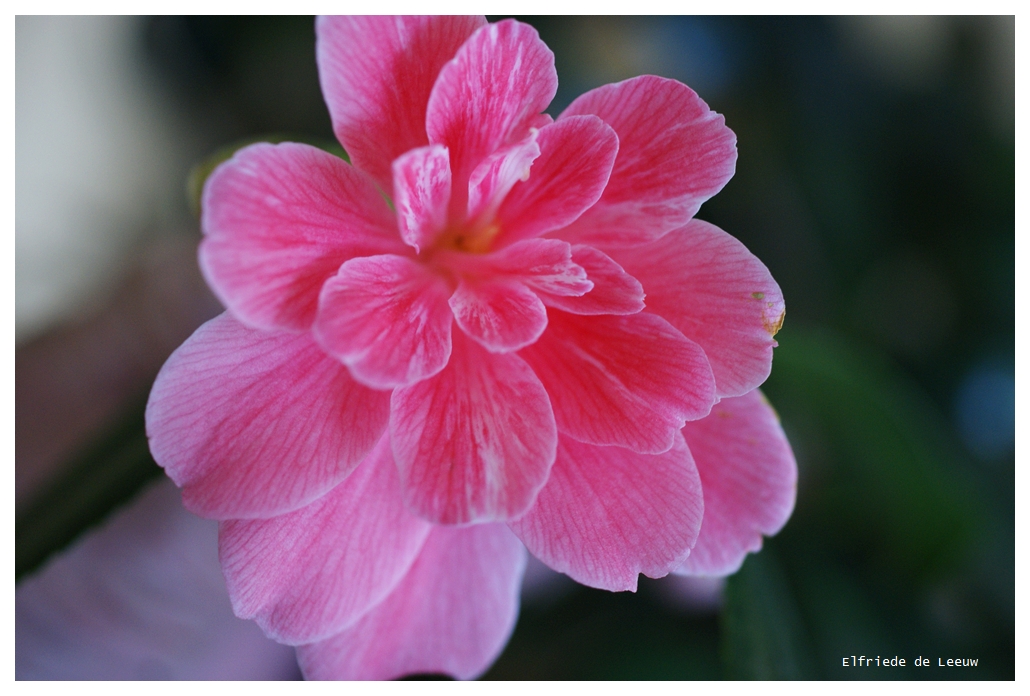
(876, 180)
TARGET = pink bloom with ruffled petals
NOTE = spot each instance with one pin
(491, 331)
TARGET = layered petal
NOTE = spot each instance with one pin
(749, 478)
(608, 514)
(421, 191)
(495, 176)
(501, 315)
(630, 381)
(278, 220)
(674, 154)
(377, 74)
(476, 442)
(545, 265)
(452, 614)
(576, 159)
(710, 287)
(308, 574)
(386, 317)
(489, 96)
(614, 291)
(254, 424)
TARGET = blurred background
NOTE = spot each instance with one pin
(875, 178)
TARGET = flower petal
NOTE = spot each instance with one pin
(488, 96)
(376, 75)
(545, 265)
(607, 514)
(576, 159)
(710, 287)
(674, 154)
(253, 424)
(452, 614)
(306, 575)
(630, 381)
(614, 291)
(498, 302)
(749, 478)
(495, 176)
(278, 221)
(386, 317)
(474, 443)
(501, 315)
(421, 191)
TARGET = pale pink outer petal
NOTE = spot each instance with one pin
(674, 154)
(710, 287)
(476, 442)
(452, 614)
(488, 96)
(491, 181)
(576, 159)
(630, 381)
(421, 192)
(377, 74)
(307, 575)
(500, 315)
(614, 291)
(749, 478)
(608, 514)
(386, 317)
(278, 220)
(254, 424)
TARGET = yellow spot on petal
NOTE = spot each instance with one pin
(758, 295)
(773, 327)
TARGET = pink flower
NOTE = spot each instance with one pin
(444, 352)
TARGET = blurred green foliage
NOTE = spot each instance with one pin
(763, 633)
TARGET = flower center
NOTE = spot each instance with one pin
(469, 241)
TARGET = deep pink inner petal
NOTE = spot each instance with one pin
(501, 315)
(387, 319)
(629, 380)
(545, 265)
(614, 291)
(491, 181)
(422, 190)
(489, 96)
(474, 443)
(576, 159)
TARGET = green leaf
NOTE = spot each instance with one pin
(763, 635)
